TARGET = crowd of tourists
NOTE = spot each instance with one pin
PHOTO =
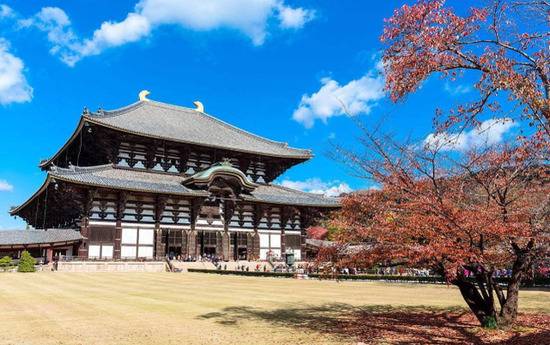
(199, 258)
(499, 273)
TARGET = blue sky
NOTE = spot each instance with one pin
(276, 68)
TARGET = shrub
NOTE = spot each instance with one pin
(5, 263)
(26, 263)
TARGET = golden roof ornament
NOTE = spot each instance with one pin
(199, 106)
(143, 95)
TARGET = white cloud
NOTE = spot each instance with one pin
(250, 17)
(5, 186)
(332, 99)
(6, 11)
(456, 90)
(294, 18)
(55, 22)
(488, 133)
(317, 186)
(14, 87)
(113, 34)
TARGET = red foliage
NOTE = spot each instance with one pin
(461, 217)
(505, 42)
(317, 233)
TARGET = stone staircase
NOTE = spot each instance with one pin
(229, 265)
(184, 266)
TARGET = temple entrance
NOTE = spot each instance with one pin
(208, 243)
(174, 243)
(239, 246)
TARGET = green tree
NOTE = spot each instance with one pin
(26, 263)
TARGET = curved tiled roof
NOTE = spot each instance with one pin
(171, 122)
(28, 237)
(275, 194)
(108, 176)
(128, 179)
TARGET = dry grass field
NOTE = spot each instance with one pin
(167, 308)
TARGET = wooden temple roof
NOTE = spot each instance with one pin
(170, 122)
(111, 177)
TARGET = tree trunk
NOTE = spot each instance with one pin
(509, 311)
(483, 309)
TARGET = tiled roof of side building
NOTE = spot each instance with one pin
(26, 237)
(108, 176)
(171, 122)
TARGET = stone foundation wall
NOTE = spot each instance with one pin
(111, 266)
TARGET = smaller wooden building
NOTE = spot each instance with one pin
(45, 244)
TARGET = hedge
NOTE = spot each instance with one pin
(244, 273)
(372, 277)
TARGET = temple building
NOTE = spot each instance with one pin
(154, 179)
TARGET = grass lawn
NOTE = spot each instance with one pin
(194, 308)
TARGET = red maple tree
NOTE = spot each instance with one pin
(463, 219)
(463, 215)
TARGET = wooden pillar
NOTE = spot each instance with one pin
(259, 211)
(88, 199)
(84, 231)
(226, 244)
(284, 216)
(184, 249)
(160, 246)
(250, 246)
(121, 207)
(118, 240)
(192, 243)
(49, 254)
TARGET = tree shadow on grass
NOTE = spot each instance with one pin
(385, 324)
